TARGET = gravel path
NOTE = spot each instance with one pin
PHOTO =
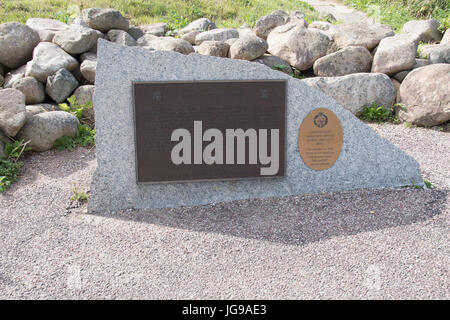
(389, 243)
(339, 11)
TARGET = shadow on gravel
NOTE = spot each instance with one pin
(303, 219)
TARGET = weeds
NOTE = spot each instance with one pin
(84, 138)
(379, 114)
(10, 164)
(79, 195)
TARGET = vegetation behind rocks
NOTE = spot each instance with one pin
(177, 13)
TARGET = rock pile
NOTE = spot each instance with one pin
(45, 61)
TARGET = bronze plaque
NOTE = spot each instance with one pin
(320, 139)
(211, 130)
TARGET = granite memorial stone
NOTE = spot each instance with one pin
(355, 155)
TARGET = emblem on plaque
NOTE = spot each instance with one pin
(157, 96)
(320, 120)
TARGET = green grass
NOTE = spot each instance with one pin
(84, 138)
(379, 114)
(10, 164)
(225, 13)
(79, 195)
(396, 12)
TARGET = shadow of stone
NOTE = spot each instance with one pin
(300, 220)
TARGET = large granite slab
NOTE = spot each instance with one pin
(366, 160)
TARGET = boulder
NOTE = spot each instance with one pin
(426, 30)
(17, 42)
(441, 54)
(231, 41)
(88, 56)
(395, 54)
(275, 63)
(76, 40)
(47, 59)
(84, 94)
(61, 85)
(105, 19)
(135, 32)
(13, 76)
(326, 27)
(213, 48)
(202, 24)
(40, 107)
(157, 29)
(418, 64)
(171, 44)
(12, 111)
(31, 88)
(297, 17)
(446, 37)
(46, 28)
(88, 69)
(396, 85)
(299, 46)
(425, 95)
(144, 41)
(80, 22)
(2, 80)
(345, 61)
(222, 34)
(120, 37)
(190, 36)
(355, 91)
(245, 31)
(43, 129)
(361, 34)
(266, 24)
(248, 48)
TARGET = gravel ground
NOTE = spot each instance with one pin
(364, 244)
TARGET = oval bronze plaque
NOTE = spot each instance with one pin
(320, 139)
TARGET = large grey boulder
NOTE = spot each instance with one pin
(275, 63)
(245, 31)
(12, 111)
(47, 59)
(105, 19)
(135, 32)
(222, 34)
(266, 24)
(214, 48)
(76, 40)
(61, 85)
(120, 37)
(426, 30)
(88, 69)
(299, 46)
(361, 34)
(17, 42)
(395, 54)
(13, 76)
(32, 89)
(345, 61)
(425, 95)
(46, 28)
(355, 91)
(43, 129)
(171, 44)
(157, 29)
(202, 24)
(145, 40)
(248, 48)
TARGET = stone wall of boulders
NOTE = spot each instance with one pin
(45, 61)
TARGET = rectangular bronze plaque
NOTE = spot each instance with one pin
(215, 130)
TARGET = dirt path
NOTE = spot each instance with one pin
(373, 244)
(339, 11)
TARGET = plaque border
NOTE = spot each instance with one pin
(134, 82)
